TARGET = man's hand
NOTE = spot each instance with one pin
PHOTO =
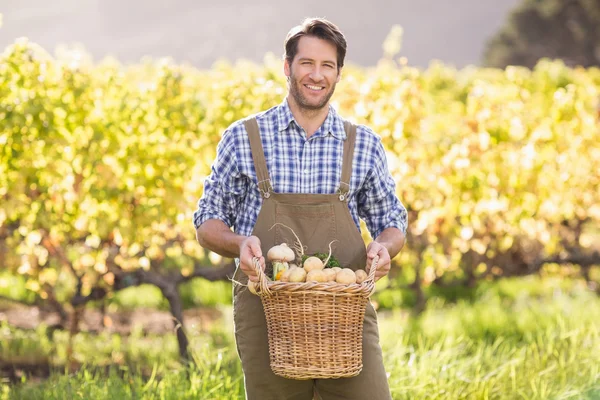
(387, 245)
(383, 265)
(249, 249)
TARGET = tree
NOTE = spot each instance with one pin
(558, 29)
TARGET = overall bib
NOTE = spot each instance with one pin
(317, 219)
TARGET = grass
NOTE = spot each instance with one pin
(515, 347)
(528, 339)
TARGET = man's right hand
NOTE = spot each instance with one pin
(249, 249)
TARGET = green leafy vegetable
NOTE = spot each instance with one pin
(333, 262)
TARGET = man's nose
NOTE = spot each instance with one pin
(316, 74)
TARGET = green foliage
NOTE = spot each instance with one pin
(556, 29)
(101, 165)
(143, 296)
(15, 287)
(198, 292)
(195, 293)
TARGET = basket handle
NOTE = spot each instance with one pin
(373, 269)
(263, 288)
(369, 283)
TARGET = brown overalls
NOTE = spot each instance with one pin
(317, 219)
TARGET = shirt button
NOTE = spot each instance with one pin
(306, 171)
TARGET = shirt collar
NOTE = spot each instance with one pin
(333, 124)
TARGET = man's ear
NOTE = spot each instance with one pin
(339, 76)
(286, 68)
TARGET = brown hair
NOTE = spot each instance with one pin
(320, 28)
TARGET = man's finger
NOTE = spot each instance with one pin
(375, 249)
(256, 251)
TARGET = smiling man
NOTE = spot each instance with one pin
(300, 163)
(312, 77)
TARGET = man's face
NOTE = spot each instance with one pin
(313, 73)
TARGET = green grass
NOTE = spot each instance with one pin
(514, 346)
(516, 339)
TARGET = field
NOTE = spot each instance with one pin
(495, 296)
(528, 338)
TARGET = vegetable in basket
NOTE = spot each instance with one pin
(333, 262)
(280, 256)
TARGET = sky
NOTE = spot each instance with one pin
(202, 32)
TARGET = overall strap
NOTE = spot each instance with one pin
(258, 156)
(347, 160)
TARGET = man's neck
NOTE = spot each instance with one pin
(309, 120)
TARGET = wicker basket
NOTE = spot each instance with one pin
(315, 329)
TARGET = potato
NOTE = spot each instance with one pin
(313, 263)
(297, 275)
(285, 276)
(361, 275)
(316, 275)
(330, 274)
(346, 276)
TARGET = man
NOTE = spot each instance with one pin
(300, 164)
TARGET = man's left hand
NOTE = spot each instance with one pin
(383, 265)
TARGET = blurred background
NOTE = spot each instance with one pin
(201, 32)
(110, 114)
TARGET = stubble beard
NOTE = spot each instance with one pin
(303, 102)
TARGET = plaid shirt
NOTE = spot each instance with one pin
(298, 165)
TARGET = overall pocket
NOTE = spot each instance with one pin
(315, 226)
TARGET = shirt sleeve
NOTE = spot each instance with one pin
(377, 202)
(225, 187)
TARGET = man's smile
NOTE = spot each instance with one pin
(315, 88)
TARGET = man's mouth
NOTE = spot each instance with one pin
(315, 88)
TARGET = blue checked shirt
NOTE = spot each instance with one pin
(298, 165)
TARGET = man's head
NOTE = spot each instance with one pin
(319, 28)
(314, 56)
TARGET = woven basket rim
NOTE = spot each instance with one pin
(325, 288)
(266, 286)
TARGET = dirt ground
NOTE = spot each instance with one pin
(148, 320)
